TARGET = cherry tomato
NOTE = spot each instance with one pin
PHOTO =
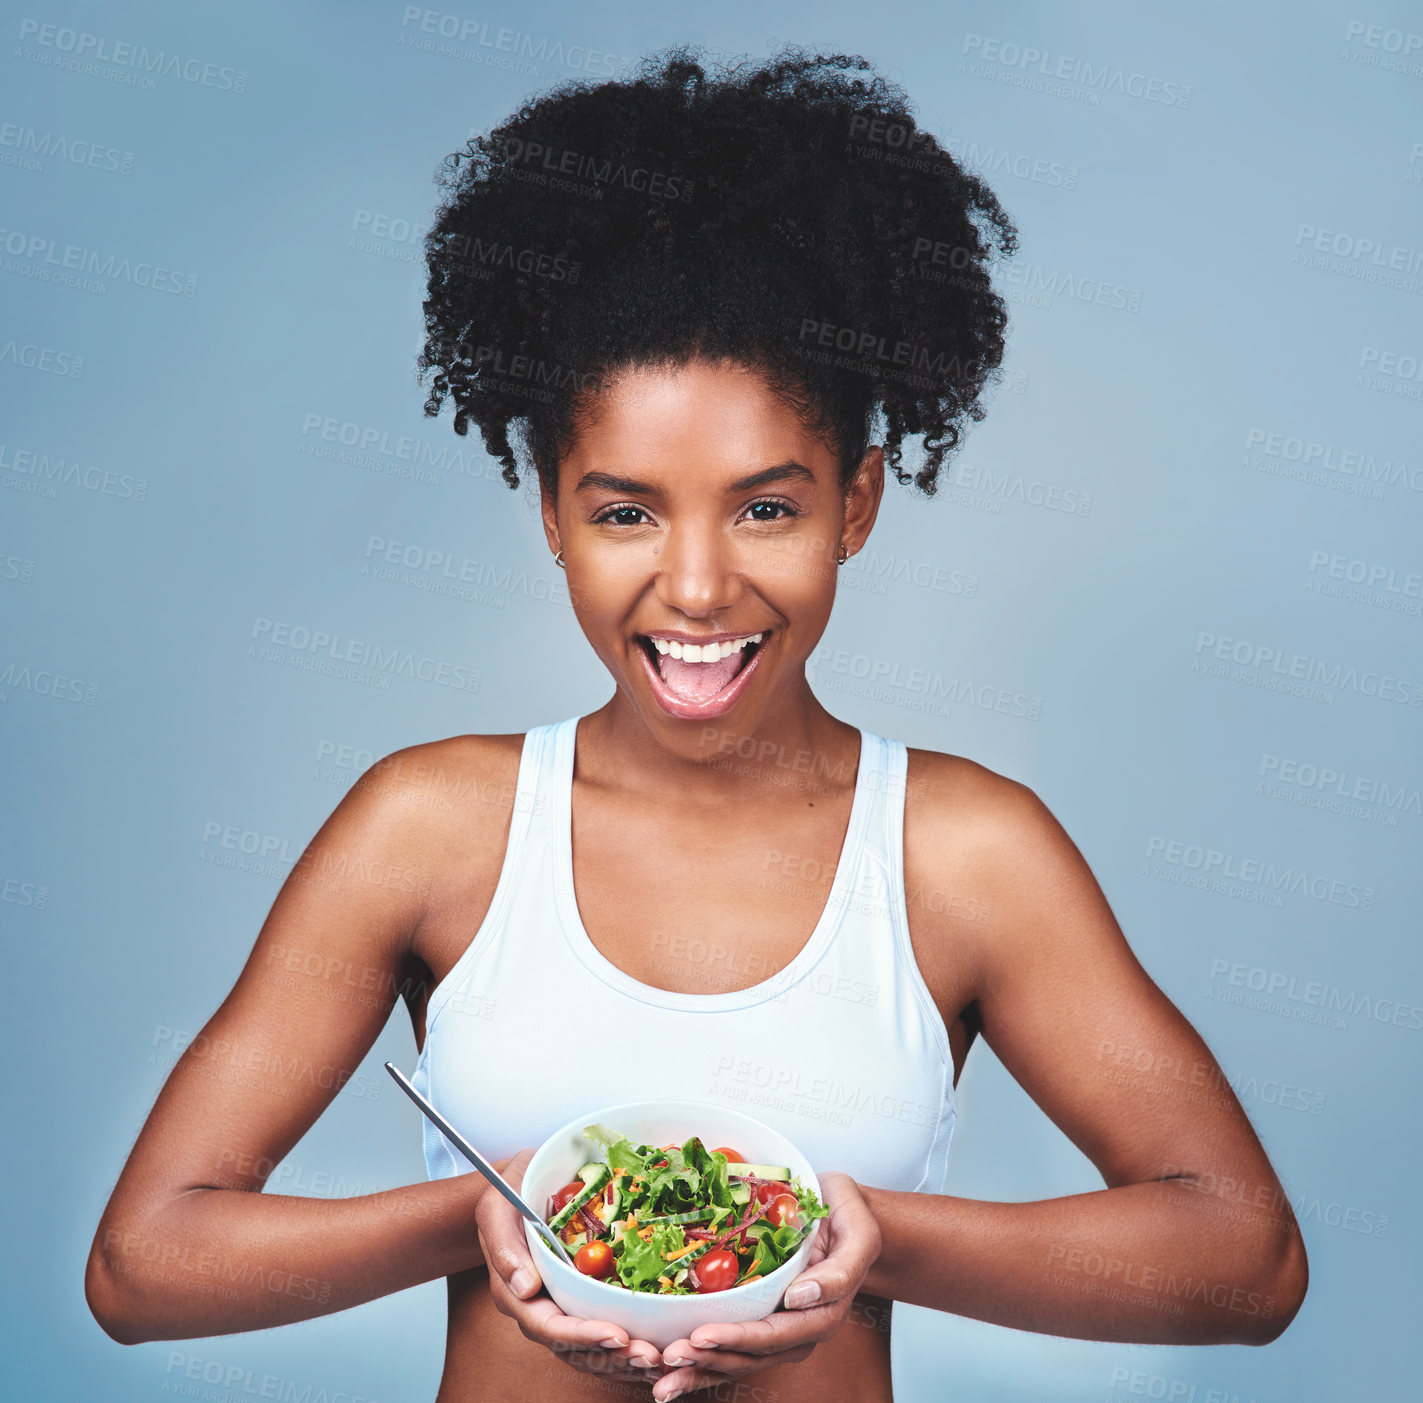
(716, 1271)
(771, 1189)
(594, 1259)
(733, 1156)
(784, 1212)
(559, 1201)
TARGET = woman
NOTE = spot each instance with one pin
(696, 297)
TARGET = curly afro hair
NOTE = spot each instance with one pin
(790, 217)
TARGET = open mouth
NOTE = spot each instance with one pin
(694, 682)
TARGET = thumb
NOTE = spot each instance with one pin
(501, 1230)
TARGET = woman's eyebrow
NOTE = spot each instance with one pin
(779, 472)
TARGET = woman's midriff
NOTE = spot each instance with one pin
(488, 1358)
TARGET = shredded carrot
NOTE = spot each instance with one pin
(750, 1276)
(682, 1251)
(646, 1233)
(664, 1280)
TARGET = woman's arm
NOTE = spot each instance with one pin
(1193, 1241)
(188, 1244)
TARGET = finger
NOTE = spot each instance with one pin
(541, 1320)
(730, 1361)
(681, 1381)
(781, 1330)
(501, 1234)
(855, 1243)
(626, 1363)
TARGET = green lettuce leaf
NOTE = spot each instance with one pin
(640, 1262)
(622, 1152)
(811, 1207)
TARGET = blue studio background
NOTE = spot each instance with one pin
(1187, 533)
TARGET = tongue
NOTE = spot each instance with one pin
(699, 681)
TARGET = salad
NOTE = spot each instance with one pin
(675, 1220)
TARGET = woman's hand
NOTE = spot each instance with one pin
(817, 1302)
(594, 1346)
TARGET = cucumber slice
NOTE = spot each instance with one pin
(696, 1216)
(760, 1171)
(740, 1194)
(591, 1185)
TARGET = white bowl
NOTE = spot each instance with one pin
(644, 1315)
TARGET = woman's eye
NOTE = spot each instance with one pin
(771, 506)
(618, 516)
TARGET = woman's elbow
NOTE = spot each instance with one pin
(110, 1303)
(1287, 1283)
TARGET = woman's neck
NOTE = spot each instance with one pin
(720, 762)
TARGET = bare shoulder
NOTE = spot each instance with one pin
(954, 802)
(1037, 901)
(437, 790)
(443, 810)
(985, 863)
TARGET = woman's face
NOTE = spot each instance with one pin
(695, 507)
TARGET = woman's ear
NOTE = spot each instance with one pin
(548, 510)
(862, 499)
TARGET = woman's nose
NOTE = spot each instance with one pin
(697, 572)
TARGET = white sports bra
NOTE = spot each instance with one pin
(842, 1051)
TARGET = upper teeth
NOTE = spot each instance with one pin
(705, 652)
